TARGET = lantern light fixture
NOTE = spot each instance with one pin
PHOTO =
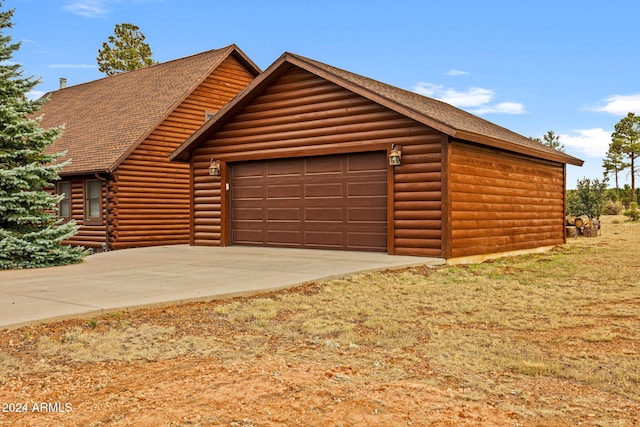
(214, 168)
(395, 155)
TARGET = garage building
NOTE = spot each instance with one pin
(312, 156)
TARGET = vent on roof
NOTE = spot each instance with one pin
(63, 82)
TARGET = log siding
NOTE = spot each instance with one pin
(464, 187)
(301, 114)
(145, 214)
(503, 202)
(90, 235)
(148, 201)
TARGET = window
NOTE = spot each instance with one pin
(63, 188)
(93, 200)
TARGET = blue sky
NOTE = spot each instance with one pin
(531, 65)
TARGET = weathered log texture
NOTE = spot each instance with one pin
(503, 202)
(572, 231)
(301, 114)
(581, 221)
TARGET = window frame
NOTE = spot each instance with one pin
(65, 200)
(88, 201)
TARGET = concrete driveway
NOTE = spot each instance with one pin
(172, 274)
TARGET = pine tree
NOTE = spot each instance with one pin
(613, 163)
(550, 139)
(30, 235)
(626, 140)
(126, 50)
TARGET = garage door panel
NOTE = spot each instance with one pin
(284, 214)
(367, 215)
(324, 165)
(324, 214)
(367, 241)
(370, 163)
(287, 191)
(324, 239)
(249, 214)
(283, 167)
(366, 189)
(289, 238)
(331, 202)
(330, 190)
(248, 237)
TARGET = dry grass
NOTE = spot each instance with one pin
(496, 332)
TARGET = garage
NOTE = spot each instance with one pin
(456, 189)
(324, 202)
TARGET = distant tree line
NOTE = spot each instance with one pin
(592, 197)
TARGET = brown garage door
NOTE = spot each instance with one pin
(325, 202)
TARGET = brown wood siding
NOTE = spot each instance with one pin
(90, 236)
(503, 202)
(418, 198)
(302, 114)
(151, 196)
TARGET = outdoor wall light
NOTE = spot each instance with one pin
(395, 155)
(214, 169)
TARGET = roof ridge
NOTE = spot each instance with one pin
(116, 113)
(148, 68)
(393, 95)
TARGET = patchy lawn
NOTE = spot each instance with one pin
(548, 339)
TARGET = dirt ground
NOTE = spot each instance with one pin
(194, 365)
(264, 389)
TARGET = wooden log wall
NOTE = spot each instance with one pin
(302, 114)
(418, 197)
(89, 235)
(151, 196)
(503, 202)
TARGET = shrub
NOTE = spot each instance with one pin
(587, 198)
(613, 208)
(633, 213)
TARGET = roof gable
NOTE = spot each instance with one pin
(439, 115)
(104, 120)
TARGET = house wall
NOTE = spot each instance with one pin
(301, 114)
(150, 195)
(90, 235)
(502, 202)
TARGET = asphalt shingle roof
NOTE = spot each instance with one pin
(444, 117)
(452, 120)
(105, 118)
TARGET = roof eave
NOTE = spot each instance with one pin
(65, 174)
(558, 157)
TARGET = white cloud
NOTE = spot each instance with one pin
(97, 8)
(620, 105)
(472, 97)
(476, 99)
(457, 73)
(501, 108)
(88, 8)
(35, 94)
(590, 142)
